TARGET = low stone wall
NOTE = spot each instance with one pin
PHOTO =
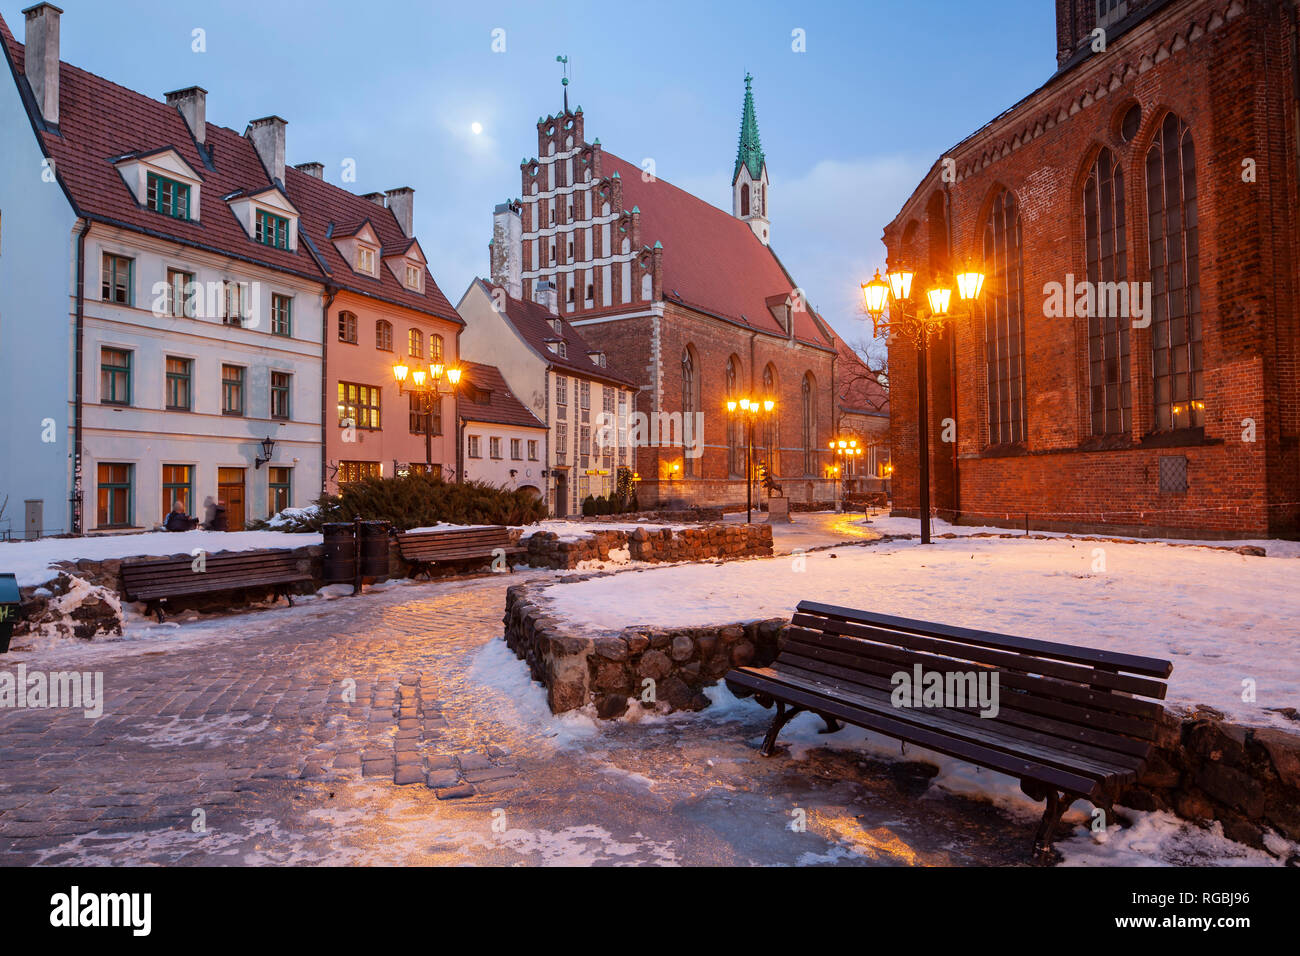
(668, 665)
(1202, 768)
(546, 549)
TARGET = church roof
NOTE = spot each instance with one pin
(750, 151)
(712, 261)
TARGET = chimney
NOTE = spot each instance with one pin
(42, 61)
(402, 202)
(193, 105)
(267, 135)
(545, 294)
(507, 249)
(315, 170)
(376, 198)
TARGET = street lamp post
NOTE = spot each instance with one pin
(427, 386)
(748, 410)
(843, 450)
(897, 294)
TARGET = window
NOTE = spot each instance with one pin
(735, 454)
(584, 401)
(281, 315)
(350, 471)
(561, 443)
(475, 451)
(177, 485)
(1004, 330)
(1110, 11)
(1110, 391)
(114, 495)
(182, 294)
(809, 417)
(347, 328)
(384, 335)
(232, 390)
(272, 230)
(562, 349)
(584, 445)
(281, 392)
(179, 393)
(532, 450)
(366, 260)
(279, 489)
(360, 405)
(435, 348)
(562, 395)
(117, 280)
(516, 449)
(239, 306)
(420, 414)
(744, 199)
(167, 196)
(114, 376)
(415, 343)
(690, 403)
(413, 276)
(494, 447)
(772, 430)
(1176, 357)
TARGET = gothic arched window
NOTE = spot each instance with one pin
(690, 405)
(744, 199)
(1004, 328)
(809, 425)
(772, 438)
(1176, 360)
(735, 426)
(1106, 253)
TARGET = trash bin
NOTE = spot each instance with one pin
(340, 552)
(374, 549)
(9, 598)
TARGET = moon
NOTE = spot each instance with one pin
(476, 127)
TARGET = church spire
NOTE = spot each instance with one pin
(750, 152)
(749, 183)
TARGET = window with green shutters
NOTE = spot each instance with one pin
(279, 489)
(272, 230)
(178, 485)
(179, 373)
(114, 377)
(281, 389)
(232, 390)
(114, 495)
(167, 197)
(281, 315)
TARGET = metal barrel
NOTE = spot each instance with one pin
(374, 549)
(340, 552)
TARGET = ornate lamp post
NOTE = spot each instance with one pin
(428, 388)
(748, 410)
(919, 326)
(843, 450)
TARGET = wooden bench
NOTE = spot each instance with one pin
(423, 549)
(154, 581)
(1071, 722)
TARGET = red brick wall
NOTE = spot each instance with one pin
(1225, 67)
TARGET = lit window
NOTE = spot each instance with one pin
(359, 405)
(415, 343)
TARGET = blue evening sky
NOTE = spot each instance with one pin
(849, 126)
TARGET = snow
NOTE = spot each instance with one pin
(31, 560)
(1222, 618)
(448, 526)
(577, 530)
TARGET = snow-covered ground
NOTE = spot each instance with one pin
(573, 530)
(1223, 618)
(31, 560)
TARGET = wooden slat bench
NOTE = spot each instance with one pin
(423, 549)
(154, 581)
(1071, 722)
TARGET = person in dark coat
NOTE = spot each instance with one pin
(178, 520)
(219, 521)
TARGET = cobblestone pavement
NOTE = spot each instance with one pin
(397, 728)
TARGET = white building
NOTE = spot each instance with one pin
(160, 316)
(568, 386)
(504, 444)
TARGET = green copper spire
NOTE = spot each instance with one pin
(750, 152)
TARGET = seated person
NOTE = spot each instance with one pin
(178, 520)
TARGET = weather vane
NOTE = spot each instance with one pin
(564, 80)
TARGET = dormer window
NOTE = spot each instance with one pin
(272, 230)
(366, 260)
(597, 358)
(167, 196)
(558, 326)
(413, 276)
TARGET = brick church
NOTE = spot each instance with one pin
(693, 305)
(1131, 365)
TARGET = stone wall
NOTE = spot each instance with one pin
(1203, 768)
(549, 550)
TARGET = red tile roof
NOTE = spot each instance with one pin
(712, 261)
(100, 121)
(502, 407)
(534, 322)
